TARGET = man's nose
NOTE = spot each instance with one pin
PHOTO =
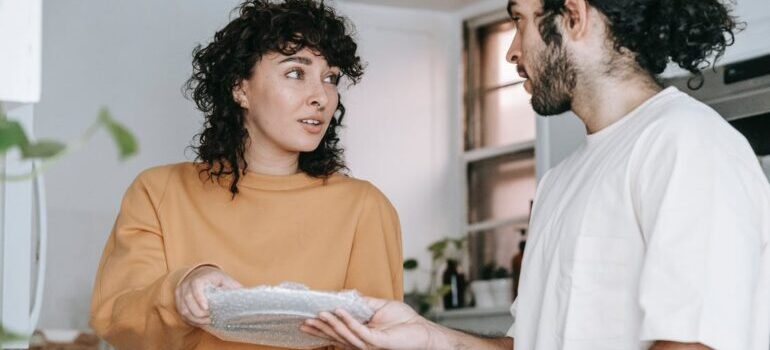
(514, 51)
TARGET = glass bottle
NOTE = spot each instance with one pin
(455, 279)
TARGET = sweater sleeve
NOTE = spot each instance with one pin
(376, 260)
(133, 303)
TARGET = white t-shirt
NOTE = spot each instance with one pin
(656, 229)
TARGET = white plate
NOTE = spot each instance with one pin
(60, 335)
(272, 315)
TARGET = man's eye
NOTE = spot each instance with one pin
(515, 19)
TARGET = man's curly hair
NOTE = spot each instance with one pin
(686, 32)
(262, 27)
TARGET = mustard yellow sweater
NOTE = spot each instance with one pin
(333, 235)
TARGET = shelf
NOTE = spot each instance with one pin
(492, 152)
(490, 322)
(472, 312)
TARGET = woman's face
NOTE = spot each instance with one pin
(289, 101)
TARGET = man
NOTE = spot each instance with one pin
(654, 234)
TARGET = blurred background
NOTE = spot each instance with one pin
(440, 123)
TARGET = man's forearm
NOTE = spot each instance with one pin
(443, 338)
(668, 345)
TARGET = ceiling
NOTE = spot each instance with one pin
(441, 5)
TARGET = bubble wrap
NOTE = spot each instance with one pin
(272, 315)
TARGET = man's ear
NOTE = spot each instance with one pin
(576, 14)
(239, 95)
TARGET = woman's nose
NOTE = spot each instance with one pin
(318, 97)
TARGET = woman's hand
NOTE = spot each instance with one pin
(191, 303)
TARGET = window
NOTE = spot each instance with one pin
(499, 151)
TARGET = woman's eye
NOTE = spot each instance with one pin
(516, 19)
(332, 79)
(294, 74)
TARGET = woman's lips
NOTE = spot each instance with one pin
(312, 126)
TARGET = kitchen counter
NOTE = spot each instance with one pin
(491, 321)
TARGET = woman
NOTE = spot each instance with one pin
(265, 201)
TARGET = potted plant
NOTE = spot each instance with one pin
(494, 288)
(441, 250)
(422, 302)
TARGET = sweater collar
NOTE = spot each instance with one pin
(277, 182)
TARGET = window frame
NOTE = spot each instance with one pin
(470, 121)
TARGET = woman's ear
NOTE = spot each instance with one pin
(575, 18)
(239, 95)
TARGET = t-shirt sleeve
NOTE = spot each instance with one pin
(133, 304)
(695, 184)
(376, 260)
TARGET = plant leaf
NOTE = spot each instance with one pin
(440, 293)
(444, 290)
(9, 336)
(459, 242)
(501, 272)
(12, 135)
(410, 264)
(124, 140)
(438, 245)
(437, 249)
(42, 149)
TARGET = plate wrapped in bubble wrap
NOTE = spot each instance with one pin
(272, 315)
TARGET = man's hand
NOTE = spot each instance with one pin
(393, 326)
(191, 303)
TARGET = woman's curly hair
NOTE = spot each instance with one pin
(262, 27)
(686, 32)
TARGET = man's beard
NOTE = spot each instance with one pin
(554, 81)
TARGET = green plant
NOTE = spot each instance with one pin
(13, 136)
(6, 336)
(492, 271)
(410, 264)
(423, 302)
(438, 248)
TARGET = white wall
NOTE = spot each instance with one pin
(753, 40)
(402, 123)
(134, 57)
